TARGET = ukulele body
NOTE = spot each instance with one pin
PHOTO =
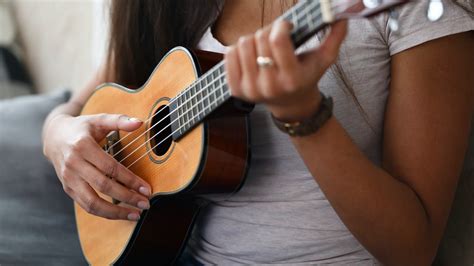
(211, 158)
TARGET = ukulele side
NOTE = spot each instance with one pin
(211, 158)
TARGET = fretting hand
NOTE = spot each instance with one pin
(285, 82)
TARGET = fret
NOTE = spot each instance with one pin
(217, 92)
(189, 107)
(184, 109)
(195, 104)
(210, 91)
(223, 88)
(180, 113)
(294, 17)
(199, 100)
(191, 104)
(309, 20)
(326, 11)
(206, 99)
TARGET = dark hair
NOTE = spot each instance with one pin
(143, 31)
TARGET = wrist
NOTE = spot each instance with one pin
(298, 110)
(309, 125)
(47, 128)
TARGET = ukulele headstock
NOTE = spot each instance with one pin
(347, 9)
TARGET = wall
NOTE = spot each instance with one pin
(64, 40)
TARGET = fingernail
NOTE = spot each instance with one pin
(143, 205)
(134, 119)
(133, 217)
(145, 191)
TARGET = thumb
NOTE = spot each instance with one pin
(326, 54)
(104, 123)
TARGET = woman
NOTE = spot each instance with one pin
(373, 184)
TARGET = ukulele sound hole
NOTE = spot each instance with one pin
(160, 133)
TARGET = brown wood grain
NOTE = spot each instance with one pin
(174, 74)
(211, 158)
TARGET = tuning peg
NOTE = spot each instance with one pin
(435, 10)
(393, 20)
(371, 3)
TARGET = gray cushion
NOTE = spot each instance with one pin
(36, 217)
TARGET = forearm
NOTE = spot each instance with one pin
(384, 214)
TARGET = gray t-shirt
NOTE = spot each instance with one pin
(281, 216)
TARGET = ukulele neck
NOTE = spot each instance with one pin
(211, 90)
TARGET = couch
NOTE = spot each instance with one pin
(36, 216)
(37, 220)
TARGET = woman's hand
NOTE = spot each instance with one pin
(289, 86)
(71, 143)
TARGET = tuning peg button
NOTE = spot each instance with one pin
(393, 20)
(371, 3)
(435, 10)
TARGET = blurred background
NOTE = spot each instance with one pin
(48, 48)
(60, 43)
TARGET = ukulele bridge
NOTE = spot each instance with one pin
(111, 143)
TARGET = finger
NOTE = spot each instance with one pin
(232, 66)
(282, 48)
(326, 54)
(104, 123)
(267, 74)
(113, 169)
(248, 63)
(111, 188)
(88, 199)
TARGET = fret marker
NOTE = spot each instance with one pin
(326, 11)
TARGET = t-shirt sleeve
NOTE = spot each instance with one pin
(416, 28)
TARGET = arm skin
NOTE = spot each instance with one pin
(397, 211)
(70, 142)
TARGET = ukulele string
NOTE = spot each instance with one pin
(183, 115)
(152, 148)
(211, 83)
(172, 101)
(146, 153)
(217, 79)
(311, 8)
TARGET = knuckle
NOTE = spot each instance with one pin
(79, 144)
(103, 184)
(67, 190)
(70, 162)
(231, 52)
(277, 40)
(245, 42)
(131, 198)
(90, 205)
(111, 169)
(260, 35)
(66, 175)
(102, 116)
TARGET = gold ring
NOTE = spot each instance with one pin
(263, 61)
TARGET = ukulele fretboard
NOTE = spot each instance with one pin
(210, 91)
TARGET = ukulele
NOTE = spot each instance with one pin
(194, 141)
